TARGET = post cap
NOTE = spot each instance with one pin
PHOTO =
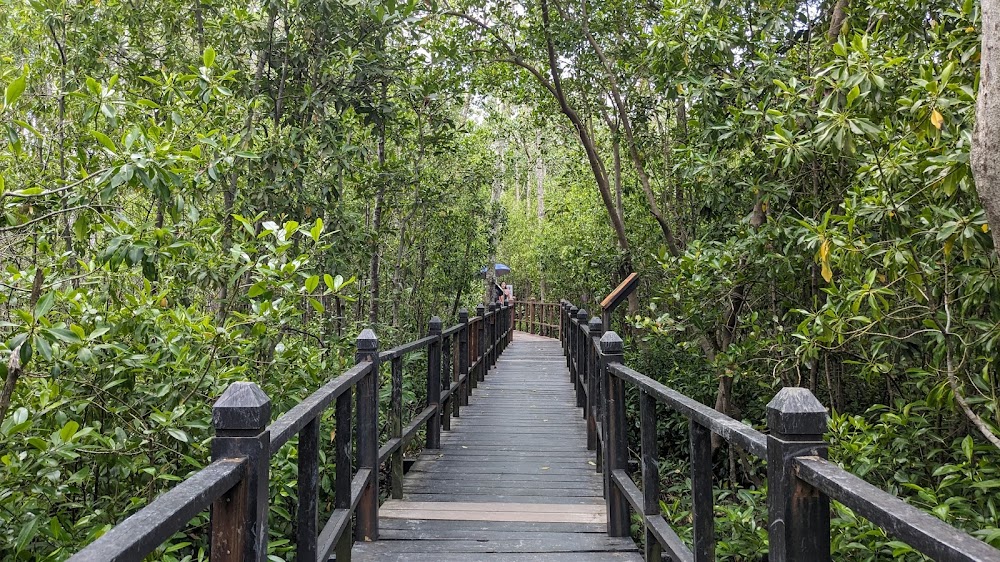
(434, 325)
(611, 343)
(493, 307)
(242, 407)
(463, 315)
(480, 309)
(595, 325)
(795, 411)
(367, 340)
(572, 310)
(582, 314)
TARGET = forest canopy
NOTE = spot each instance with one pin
(196, 193)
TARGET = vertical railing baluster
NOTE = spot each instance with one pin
(463, 355)
(492, 354)
(616, 453)
(448, 403)
(367, 513)
(798, 514)
(239, 518)
(434, 383)
(650, 471)
(307, 488)
(702, 502)
(343, 456)
(582, 335)
(396, 427)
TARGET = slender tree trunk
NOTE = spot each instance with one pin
(539, 177)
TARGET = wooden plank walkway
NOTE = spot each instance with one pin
(513, 480)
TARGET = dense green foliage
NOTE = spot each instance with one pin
(193, 194)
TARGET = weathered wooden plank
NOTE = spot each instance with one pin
(492, 526)
(570, 543)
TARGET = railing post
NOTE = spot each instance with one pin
(798, 514)
(595, 329)
(463, 356)
(616, 453)
(564, 326)
(367, 396)
(434, 383)
(239, 518)
(509, 323)
(481, 343)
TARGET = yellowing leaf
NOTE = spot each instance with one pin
(937, 119)
(824, 260)
(947, 246)
(827, 272)
(986, 227)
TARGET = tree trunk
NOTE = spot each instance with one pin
(986, 135)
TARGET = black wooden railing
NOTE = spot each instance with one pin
(235, 485)
(801, 482)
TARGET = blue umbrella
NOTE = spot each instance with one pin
(501, 269)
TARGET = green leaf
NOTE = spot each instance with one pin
(208, 57)
(853, 95)
(178, 434)
(316, 230)
(14, 90)
(328, 279)
(105, 140)
(256, 290)
(967, 445)
(312, 283)
(318, 306)
(44, 304)
(68, 431)
(27, 533)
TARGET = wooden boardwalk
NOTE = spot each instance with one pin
(513, 480)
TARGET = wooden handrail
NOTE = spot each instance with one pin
(235, 484)
(801, 482)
